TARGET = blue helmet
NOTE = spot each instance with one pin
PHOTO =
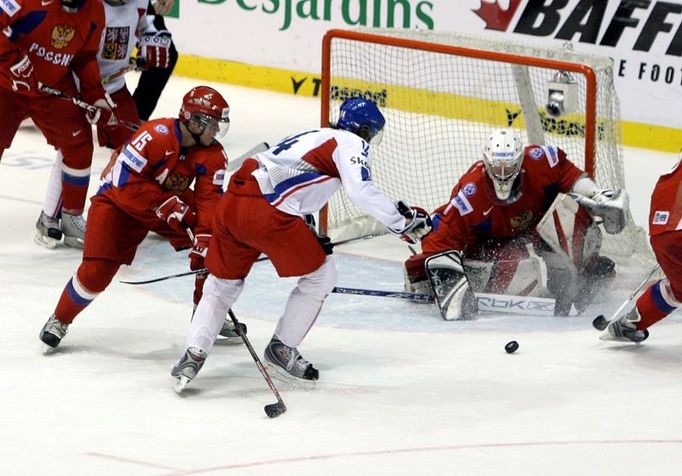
(361, 117)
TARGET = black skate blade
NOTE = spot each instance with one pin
(275, 409)
(600, 323)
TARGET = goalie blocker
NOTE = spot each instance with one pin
(567, 240)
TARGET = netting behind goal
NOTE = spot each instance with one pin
(442, 93)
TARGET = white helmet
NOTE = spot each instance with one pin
(503, 156)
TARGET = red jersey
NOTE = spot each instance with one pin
(57, 42)
(153, 166)
(474, 212)
(665, 213)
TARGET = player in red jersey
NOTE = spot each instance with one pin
(665, 230)
(497, 208)
(47, 43)
(126, 26)
(146, 188)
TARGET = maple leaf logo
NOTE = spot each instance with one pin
(496, 17)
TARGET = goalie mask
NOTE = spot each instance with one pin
(207, 108)
(362, 118)
(503, 157)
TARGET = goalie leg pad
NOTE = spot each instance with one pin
(570, 232)
(450, 285)
(516, 277)
(574, 239)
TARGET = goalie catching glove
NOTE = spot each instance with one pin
(610, 205)
(418, 223)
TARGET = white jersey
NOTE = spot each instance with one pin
(300, 174)
(124, 25)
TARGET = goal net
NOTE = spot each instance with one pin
(442, 93)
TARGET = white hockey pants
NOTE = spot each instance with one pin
(305, 302)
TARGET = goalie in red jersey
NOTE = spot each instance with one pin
(508, 211)
(146, 188)
(47, 43)
(664, 295)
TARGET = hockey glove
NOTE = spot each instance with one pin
(22, 71)
(102, 112)
(163, 7)
(326, 244)
(418, 223)
(176, 213)
(611, 206)
(199, 250)
(325, 241)
(155, 49)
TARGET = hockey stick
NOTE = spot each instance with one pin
(487, 303)
(82, 104)
(274, 409)
(601, 323)
(135, 64)
(262, 258)
(236, 163)
(415, 297)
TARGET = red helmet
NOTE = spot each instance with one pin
(204, 104)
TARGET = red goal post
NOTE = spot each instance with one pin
(442, 92)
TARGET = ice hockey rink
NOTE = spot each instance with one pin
(401, 391)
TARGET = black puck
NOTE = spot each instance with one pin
(511, 347)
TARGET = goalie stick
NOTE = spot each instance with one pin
(601, 323)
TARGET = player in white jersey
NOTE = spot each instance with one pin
(127, 26)
(264, 211)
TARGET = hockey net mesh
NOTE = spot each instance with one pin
(439, 108)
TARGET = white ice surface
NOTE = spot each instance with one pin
(401, 391)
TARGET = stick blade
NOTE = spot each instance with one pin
(275, 409)
(600, 323)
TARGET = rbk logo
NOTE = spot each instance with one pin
(496, 17)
